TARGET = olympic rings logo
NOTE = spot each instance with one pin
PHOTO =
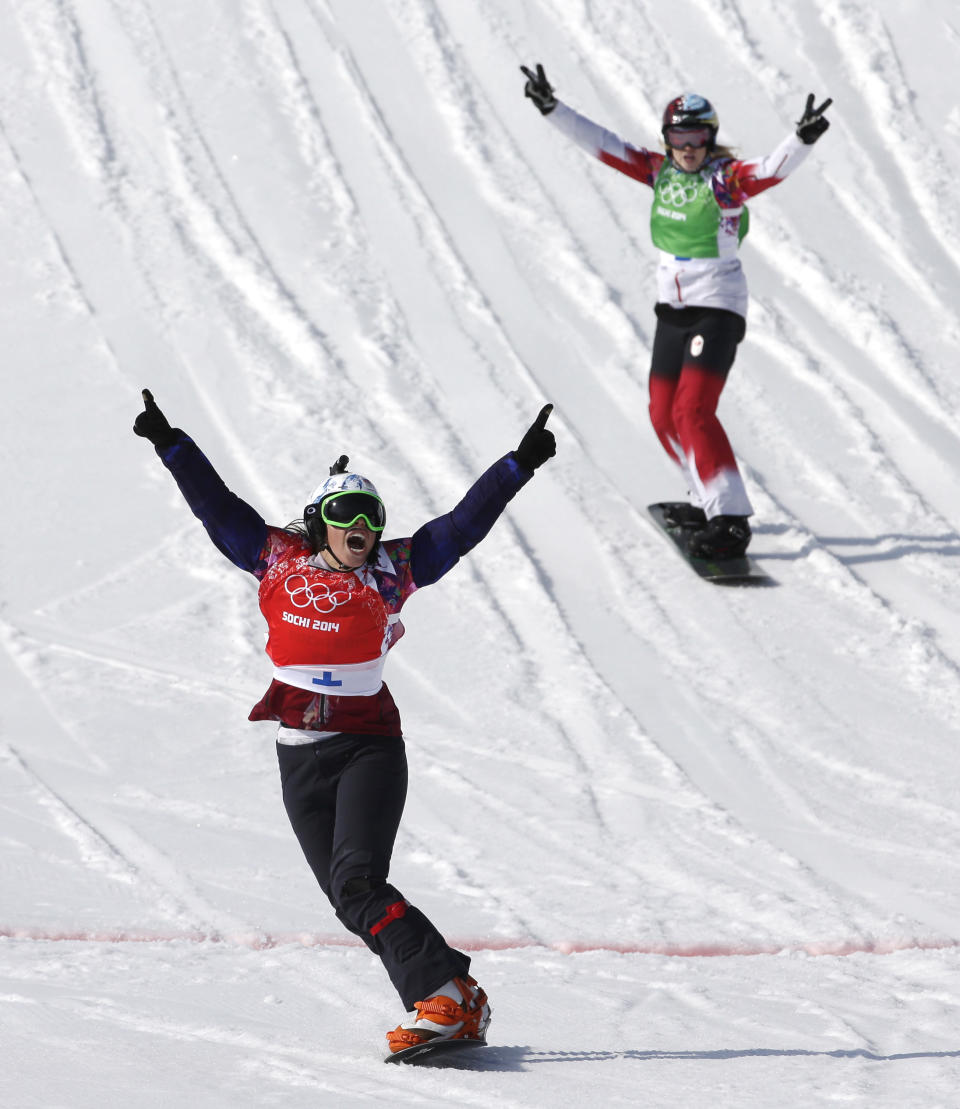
(676, 194)
(319, 594)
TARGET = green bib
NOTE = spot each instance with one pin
(685, 217)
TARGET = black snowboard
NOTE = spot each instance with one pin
(721, 571)
(432, 1051)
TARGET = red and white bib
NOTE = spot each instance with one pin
(327, 631)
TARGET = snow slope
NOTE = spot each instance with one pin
(704, 843)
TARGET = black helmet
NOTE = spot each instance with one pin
(690, 111)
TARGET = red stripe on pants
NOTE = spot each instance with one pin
(394, 912)
(684, 412)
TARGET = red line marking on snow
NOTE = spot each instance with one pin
(258, 941)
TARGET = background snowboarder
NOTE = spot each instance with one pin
(698, 220)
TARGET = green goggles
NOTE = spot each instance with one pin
(343, 510)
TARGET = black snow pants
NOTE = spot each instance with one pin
(344, 797)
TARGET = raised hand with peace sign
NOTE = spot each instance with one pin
(538, 89)
(812, 124)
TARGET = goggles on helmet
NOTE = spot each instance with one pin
(679, 137)
(342, 510)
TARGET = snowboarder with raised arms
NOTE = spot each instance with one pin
(331, 590)
(698, 220)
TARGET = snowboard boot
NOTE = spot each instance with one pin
(679, 514)
(723, 537)
(458, 1011)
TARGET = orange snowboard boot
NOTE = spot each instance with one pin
(457, 1011)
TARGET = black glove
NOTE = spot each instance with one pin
(538, 444)
(152, 424)
(811, 124)
(539, 90)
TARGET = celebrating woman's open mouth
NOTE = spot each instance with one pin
(356, 542)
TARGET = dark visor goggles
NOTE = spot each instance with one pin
(679, 137)
(343, 510)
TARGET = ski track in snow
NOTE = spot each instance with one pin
(313, 229)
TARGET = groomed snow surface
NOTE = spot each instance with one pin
(703, 843)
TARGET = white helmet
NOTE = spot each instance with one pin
(341, 483)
